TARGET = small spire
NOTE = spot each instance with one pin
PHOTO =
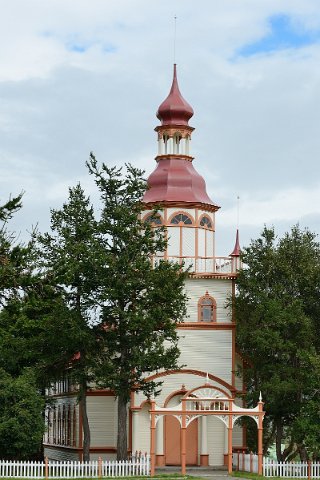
(207, 379)
(260, 397)
(236, 251)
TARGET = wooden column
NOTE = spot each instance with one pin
(153, 438)
(183, 446)
(159, 442)
(135, 431)
(260, 436)
(230, 439)
(204, 456)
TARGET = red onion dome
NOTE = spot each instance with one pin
(175, 110)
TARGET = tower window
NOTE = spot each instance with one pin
(205, 222)
(181, 217)
(153, 218)
(207, 309)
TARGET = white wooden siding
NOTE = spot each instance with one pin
(102, 414)
(144, 429)
(201, 242)
(210, 243)
(60, 455)
(216, 432)
(188, 242)
(207, 351)
(219, 289)
(172, 383)
(174, 241)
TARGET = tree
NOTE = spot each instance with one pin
(69, 256)
(21, 419)
(277, 308)
(140, 303)
(15, 264)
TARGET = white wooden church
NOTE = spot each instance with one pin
(199, 400)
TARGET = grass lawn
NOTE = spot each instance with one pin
(255, 476)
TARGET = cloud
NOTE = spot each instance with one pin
(74, 80)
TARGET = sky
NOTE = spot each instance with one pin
(81, 76)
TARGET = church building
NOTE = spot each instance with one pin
(209, 382)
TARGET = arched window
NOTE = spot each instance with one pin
(205, 222)
(181, 217)
(207, 309)
(153, 218)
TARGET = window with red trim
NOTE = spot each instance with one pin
(207, 309)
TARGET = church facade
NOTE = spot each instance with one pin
(206, 337)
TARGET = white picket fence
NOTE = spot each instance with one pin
(93, 469)
(271, 468)
(246, 462)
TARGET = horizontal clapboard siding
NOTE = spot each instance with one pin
(208, 351)
(216, 441)
(59, 455)
(144, 429)
(219, 289)
(102, 413)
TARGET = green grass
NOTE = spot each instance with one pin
(255, 476)
(164, 476)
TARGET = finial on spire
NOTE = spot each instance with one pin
(207, 379)
(260, 397)
(238, 211)
(174, 39)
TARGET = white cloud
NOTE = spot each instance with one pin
(256, 119)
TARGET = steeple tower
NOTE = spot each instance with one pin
(185, 207)
(175, 179)
(187, 211)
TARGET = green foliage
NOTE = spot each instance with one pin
(278, 313)
(21, 412)
(21, 416)
(117, 310)
(141, 303)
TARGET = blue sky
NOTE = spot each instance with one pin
(284, 32)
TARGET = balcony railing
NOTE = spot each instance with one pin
(209, 265)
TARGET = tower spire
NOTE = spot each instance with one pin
(236, 251)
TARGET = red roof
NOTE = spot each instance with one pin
(175, 179)
(174, 110)
(236, 251)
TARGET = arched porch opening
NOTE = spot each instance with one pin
(171, 436)
(204, 401)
